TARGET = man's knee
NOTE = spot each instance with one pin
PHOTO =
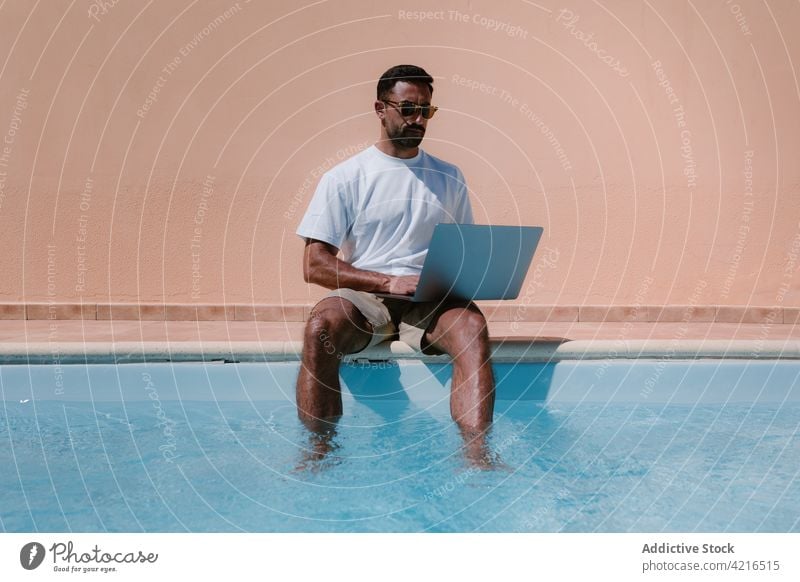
(464, 329)
(475, 326)
(334, 324)
(470, 318)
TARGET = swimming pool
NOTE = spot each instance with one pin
(580, 446)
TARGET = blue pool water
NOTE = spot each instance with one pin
(577, 446)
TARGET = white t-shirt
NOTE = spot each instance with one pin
(380, 211)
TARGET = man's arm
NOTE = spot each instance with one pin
(322, 267)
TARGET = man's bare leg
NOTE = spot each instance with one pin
(335, 328)
(461, 332)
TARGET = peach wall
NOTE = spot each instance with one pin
(657, 142)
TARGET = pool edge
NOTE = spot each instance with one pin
(545, 350)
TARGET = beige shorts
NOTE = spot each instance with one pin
(394, 318)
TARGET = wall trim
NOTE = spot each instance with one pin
(495, 312)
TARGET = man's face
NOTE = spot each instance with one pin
(405, 132)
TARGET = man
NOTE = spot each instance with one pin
(379, 209)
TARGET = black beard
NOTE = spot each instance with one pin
(407, 142)
(404, 140)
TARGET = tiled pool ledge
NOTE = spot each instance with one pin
(500, 312)
(541, 350)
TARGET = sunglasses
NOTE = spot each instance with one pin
(409, 109)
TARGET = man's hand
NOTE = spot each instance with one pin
(322, 267)
(405, 285)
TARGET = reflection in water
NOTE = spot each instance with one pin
(320, 452)
(479, 451)
(322, 447)
(382, 392)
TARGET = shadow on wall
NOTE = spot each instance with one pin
(374, 382)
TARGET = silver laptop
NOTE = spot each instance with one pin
(475, 261)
